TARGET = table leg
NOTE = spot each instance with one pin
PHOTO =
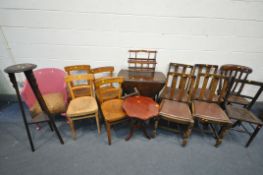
(132, 128)
(143, 127)
(135, 123)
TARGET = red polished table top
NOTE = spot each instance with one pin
(140, 107)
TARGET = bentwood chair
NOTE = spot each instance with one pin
(242, 114)
(176, 108)
(206, 103)
(142, 60)
(76, 70)
(81, 107)
(111, 106)
(238, 72)
(171, 80)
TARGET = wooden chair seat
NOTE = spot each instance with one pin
(82, 106)
(54, 101)
(211, 112)
(242, 114)
(112, 110)
(176, 111)
(237, 99)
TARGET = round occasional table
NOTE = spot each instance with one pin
(140, 109)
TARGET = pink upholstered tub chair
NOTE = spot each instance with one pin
(52, 86)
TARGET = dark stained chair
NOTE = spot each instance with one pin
(241, 114)
(206, 103)
(170, 90)
(176, 108)
(238, 72)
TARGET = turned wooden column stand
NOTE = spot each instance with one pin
(140, 109)
(45, 116)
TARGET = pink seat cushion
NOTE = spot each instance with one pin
(49, 80)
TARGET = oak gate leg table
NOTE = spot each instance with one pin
(140, 109)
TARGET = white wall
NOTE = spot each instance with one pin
(99, 32)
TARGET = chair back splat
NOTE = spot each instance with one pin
(105, 93)
(175, 70)
(240, 73)
(78, 82)
(207, 87)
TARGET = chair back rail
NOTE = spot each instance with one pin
(82, 81)
(102, 92)
(103, 70)
(253, 97)
(77, 68)
(238, 72)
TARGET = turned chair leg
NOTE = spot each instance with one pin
(187, 134)
(108, 132)
(221, 135)
(98, 122)
(72, 127)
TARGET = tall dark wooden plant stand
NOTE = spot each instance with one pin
(45, 116)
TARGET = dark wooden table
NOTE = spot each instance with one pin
(140, 109)
(148, 83)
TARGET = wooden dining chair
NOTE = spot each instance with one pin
(81, 107)
(142, 60)
(241, 114)
(176, 108)
(170, 91)
(77, 70)
(238, 72)
(206, 103)
(111, 106)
